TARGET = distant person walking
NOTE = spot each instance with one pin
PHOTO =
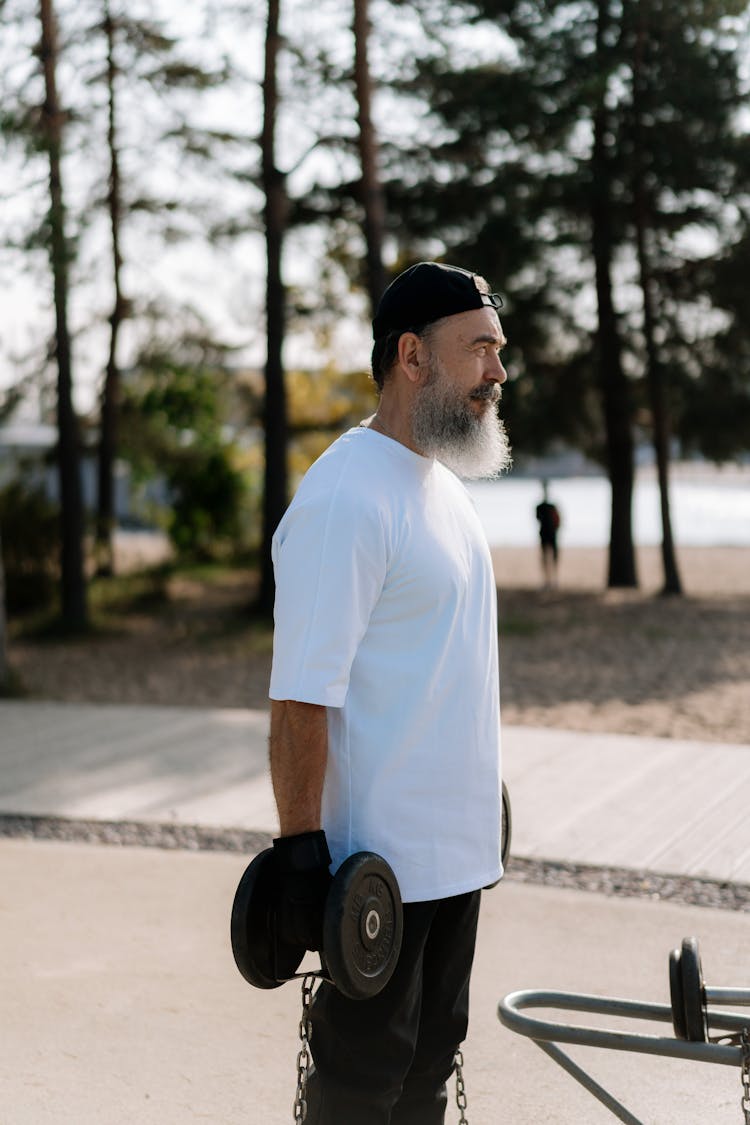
(548, 518)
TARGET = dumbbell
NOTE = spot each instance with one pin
(506, 831)
(506, 827)
(362, 927)
(690, 996)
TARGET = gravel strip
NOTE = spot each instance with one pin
(624, 882)
(620, 882)
(134, 833)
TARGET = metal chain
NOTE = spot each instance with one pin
(304, 1059)
(745, 1103)
(461, 1099)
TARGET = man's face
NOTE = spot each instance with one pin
(454, 416)
(469, 346)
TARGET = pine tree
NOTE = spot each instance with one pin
(275, 221)
(643, 221)
(612, 381)
(4, 668)
(371, 191)
(139, 54)
(678, 138)
(74, 609)
(110, 396)
(8, 402)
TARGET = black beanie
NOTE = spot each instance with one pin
(425, 293)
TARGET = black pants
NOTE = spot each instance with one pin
(386, 1060)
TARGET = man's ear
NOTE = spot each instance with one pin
(411, 356)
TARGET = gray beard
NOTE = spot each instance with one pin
(445, 426)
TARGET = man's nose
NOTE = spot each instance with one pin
(495, 372)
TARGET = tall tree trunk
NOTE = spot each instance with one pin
(612, 380)
(372, 197)
(74, 602)
(655, 375)
(3, 627)
(275, 408)
(110, 399)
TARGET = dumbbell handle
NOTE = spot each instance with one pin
(736, 996)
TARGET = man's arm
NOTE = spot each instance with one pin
(298, 754)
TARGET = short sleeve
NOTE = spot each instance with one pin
(329, 561)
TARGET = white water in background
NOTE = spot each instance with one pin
(708, 508)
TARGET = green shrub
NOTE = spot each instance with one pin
(207, 494)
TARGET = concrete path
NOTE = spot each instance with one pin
(139, 763)
(120, 1003)
(119, 999)
(614, 800)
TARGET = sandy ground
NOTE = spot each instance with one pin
(579, 657)
(586, 658)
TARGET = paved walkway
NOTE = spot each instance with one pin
(120, 1003)
(119, 999)
(614, 800)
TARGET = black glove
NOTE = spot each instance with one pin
(304, 882)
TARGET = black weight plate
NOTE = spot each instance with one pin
(696, 1022)
(506, 827)
(363, 926)
(506, 832)
(677, 995)
(261, 959)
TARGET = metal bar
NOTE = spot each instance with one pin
(588, 1083)
(510, 1015)
(730, 1021)
(738, 996)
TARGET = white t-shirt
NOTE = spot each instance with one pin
(386, 614)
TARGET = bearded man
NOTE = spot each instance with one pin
(385, 721)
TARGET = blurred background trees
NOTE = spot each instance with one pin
(596, 156)
(137, 54)
(591, 159)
